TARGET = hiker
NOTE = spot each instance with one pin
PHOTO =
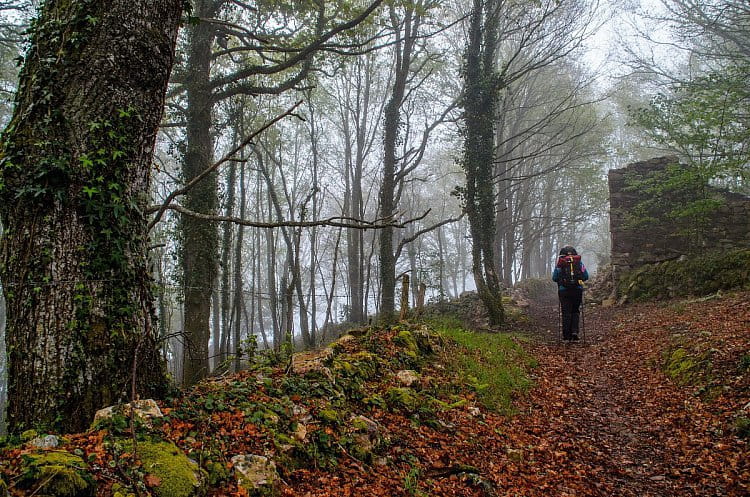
(570, 273)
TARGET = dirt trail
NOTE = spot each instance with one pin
(605, 420)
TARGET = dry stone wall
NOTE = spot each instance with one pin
(664, 238)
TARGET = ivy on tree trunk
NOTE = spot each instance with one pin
(74, 180)
(480, 103)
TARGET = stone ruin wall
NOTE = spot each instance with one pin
(635, 247)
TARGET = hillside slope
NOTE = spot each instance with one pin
(656, 402)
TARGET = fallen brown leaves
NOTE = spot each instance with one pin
(602, 420)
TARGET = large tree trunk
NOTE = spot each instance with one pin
(403, 52)
(75, 173)
(480, 100)
(199, 249)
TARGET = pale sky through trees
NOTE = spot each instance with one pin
(622, 23)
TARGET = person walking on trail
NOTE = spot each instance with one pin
(569, 274)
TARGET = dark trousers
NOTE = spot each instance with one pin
(570, 302)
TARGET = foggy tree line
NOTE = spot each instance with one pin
(390, 135)
(310, 156)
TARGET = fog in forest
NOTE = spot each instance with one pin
(309, 164)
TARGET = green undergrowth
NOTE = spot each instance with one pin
(688, 360)
(687, 366)
(492, 364)
(55, 473)
(178, 476)
(350, 405)
(699, 275)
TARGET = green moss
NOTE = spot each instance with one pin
(742, 427)
(29, 435)
(283, 439)
(375, 400)
(180, 477)
(56, 473)
(406, 339)
(359, 424)
(329, 416)
(699, 275)
(217, 473)
(341, 366)
(402, 399)
(119, 490)
(684, 367)
(446, 406)
(362, 365)
(492, 364)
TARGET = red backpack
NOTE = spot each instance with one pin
(571, 271)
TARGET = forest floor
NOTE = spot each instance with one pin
(654, 402)
(650, 404)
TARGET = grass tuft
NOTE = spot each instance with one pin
(493, 364)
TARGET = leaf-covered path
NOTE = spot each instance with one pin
(605, 419)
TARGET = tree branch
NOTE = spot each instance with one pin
(421, 232)
(181, 191)
(335, 221)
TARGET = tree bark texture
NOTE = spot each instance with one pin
(200, 238)
(480, 102)
(403, 53)
(74, 180)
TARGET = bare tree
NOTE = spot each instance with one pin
(257, 66)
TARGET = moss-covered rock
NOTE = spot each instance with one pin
(179, 476)
(699, 275)
(56, 473)
(45, 442)
(29, 435)
(312, 361)
(406, 340)
(403, 399)
(144, 410)
(364, 437)
(360, 365)
(684, 367)
(407, 377)
(427, 341)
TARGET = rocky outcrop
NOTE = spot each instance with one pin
(256, 473)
